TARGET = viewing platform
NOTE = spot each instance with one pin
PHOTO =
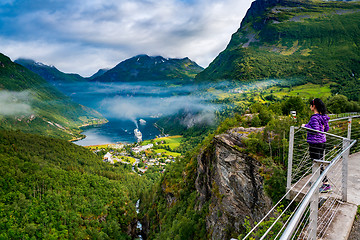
(308, 212)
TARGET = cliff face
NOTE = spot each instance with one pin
(230, 179)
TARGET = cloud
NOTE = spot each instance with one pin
(132, 108)
(83, 36)
(201, 118)
(15, 103)
(132, 101)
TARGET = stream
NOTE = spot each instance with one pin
(139, 225)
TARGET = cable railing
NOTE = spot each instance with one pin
(303, 212)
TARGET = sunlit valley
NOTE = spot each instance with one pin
(162, 148)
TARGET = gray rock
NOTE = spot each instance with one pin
(230, 180)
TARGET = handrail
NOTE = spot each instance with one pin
(298, 214)
(311, 197)
(343, 118)
(326, 133)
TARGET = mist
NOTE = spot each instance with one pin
(154, 99)
(15, 103)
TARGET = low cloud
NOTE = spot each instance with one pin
(15, 103)
(133, 108)
(201, 118)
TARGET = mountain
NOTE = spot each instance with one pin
(313, 41)
(144, 68)
(30, 104)
(49, 73)
(98, 73)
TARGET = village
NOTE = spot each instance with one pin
(146, 156)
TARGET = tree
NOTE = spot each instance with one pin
(339, 104)
(294, 104)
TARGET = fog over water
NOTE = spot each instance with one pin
(124, 104)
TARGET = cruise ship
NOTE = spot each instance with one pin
(138, 135)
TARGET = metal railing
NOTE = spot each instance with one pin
(308, 213)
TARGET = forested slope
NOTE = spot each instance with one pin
(53, 189)
(313, 41)
(30, 104)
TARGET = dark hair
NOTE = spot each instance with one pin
(320, 105)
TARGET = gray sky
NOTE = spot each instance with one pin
(82, 36)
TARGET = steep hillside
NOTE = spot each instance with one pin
(314, 41)
(53, 189)
(30, 104)
(49, 73)
(210, 194)
(144, 68)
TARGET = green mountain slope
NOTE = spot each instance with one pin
(53, 189)
(145, 68)
(30, 104)
(49, 73)
(314, 41)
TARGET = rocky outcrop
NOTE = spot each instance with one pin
(229, 179)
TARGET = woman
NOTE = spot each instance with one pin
(318, 121)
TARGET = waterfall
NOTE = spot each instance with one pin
(138, 225)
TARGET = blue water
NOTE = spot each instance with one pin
(124, 104)
(118, 131)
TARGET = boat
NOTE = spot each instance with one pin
(138, 135)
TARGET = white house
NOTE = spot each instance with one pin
(142, 148)
(108, 158)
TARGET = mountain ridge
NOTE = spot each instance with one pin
(143, 68)
(314, 41)
(49, 73)
(138, 68)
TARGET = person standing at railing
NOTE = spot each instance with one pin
(318, 121)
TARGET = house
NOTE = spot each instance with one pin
(142, 148)
(108, 158)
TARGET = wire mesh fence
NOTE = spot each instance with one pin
(297, 210)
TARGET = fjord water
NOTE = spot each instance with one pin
(124, 104)
(117, 130)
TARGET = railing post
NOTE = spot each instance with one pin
(290, 158)
(345, 159)
(349, 128)
(314, 204)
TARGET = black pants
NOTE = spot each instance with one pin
(316, 151)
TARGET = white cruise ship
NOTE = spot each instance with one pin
(138, 135)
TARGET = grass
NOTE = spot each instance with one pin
(261, 94)
(305, 91)
(172, 141)
(100, 146)
(167, 153)
(126, 159)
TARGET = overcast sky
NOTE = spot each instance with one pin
(82, 36)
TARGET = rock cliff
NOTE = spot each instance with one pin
(229, 178)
